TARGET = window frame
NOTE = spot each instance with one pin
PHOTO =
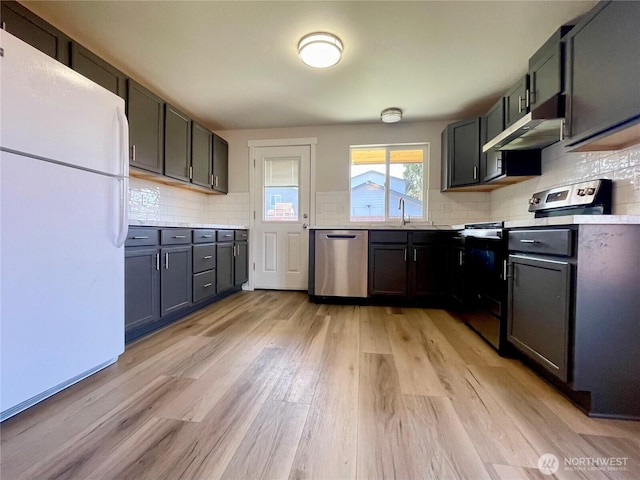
(389, 147)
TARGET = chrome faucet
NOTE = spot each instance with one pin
(403, 221)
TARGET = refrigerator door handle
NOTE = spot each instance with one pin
(123, 153)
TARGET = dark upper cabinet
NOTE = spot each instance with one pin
(546, 75)
(220, 164)
(201, 158)
(145, 112)
(177, 144)
(22, 23)
(516, 102)
(604, 71)
(94, 68)
(461, 154)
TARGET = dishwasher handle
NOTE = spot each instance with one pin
(341, 236)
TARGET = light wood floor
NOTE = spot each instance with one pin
(267, 385)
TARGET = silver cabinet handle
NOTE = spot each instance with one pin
(208, 257)
(133, 152)
(405, 254)
(227, 235)
(529, 241)
(179, 236)
(460, 258)
(215, 183)
(519, 103)
(190, 173)
(415, 255)
(475, 173)
(504, 270)
(212, 180)
(527, 99)
(206, 236)
(157, 261)
(139, 238)
(166, 261)
(207, 285)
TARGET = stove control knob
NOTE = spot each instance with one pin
(534, 201)
(581, 192)
(591, 191)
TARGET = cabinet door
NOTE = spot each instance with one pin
(516, 102)
(493, 123)
(430, 265)
(220, 164)
(28, 27)
(146, 128)
(388, 270)
(177, 144)
(604, 70)
(457, 272)
(539, 302)
(176, 279)
(464, 152)
(201, 159)
(142, 287)
(241, 264)
(97, 70)
(224, 267)
(545, 77)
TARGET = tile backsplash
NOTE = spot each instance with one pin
(156, 202)
(560, 168)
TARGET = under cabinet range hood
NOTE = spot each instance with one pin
(528, 133)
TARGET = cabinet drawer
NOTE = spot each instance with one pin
(225, 235)
(551, 242)
(176, 236)
(204, 236)
(204, 258)
(141, 237)
(241, 235)
(387, 236)
(204, 285)
(431, 237)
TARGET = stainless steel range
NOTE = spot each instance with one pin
(585, 198)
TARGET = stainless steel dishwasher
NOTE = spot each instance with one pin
(341, 263)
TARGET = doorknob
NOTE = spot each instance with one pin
(304, 225)
(305, 216)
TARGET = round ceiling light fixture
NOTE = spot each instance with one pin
(320, 49)
(391, 115)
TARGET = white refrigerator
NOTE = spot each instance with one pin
(63, 217)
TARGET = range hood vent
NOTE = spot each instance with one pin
(528, 133)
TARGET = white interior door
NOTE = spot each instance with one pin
(281, 208)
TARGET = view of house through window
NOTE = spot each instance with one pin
(381, 176)
(281, 189)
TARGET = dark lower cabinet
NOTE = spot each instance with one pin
(28, 27)
(241, 263)
(429, 271)
(97, 70)
(457, 274)
(145, 112)
(224, 268)
(388, 270)
(539, 311)
(142, 287)
(175, 280)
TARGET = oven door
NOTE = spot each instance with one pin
(486, 259)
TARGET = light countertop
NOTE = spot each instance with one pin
(576, 220)
(409, 227)
(145, 223)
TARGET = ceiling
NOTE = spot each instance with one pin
(234, 64)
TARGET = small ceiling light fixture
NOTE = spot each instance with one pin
(320, 49)
(391, 115)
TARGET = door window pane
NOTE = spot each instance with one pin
(281, 189)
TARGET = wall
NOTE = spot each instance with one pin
(332, 168)
(561, 168)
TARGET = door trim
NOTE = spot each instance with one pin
(311, 142)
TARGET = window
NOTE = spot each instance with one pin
(383, 175)
(281, 197)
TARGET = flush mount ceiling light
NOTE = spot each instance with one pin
(320, 50)
(391, 115)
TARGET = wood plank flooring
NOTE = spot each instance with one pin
(265, 385)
